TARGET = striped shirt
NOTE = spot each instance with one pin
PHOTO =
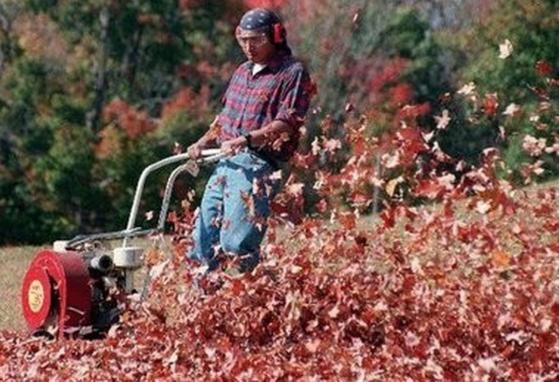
(281, 91)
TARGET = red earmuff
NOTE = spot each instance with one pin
(278, 33)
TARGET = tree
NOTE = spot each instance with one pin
(511, 57)
(68, 62)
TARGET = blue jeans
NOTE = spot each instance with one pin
(233, 212)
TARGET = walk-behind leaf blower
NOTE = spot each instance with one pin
(66, 290)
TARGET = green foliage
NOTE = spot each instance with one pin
(408, 36)
(532, 29)
(346, 64)
(68, 61)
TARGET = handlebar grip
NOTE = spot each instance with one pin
(210, 152)
(211, 158)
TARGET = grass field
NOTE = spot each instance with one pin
(13, 263)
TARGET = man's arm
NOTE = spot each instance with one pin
(273, 134)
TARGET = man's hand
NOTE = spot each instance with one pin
(233, 145)
(194, 151)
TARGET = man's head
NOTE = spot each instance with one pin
(260, 34)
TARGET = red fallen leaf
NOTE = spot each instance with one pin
(500, 258)
(384, 297)
(177, 148)
(322, 206)
(409, 134)
(441, 156)
(434, 187)
(237, 286)
(361, 240)
(494, 197)
(388, 217)
(512, 110)
(411, 112)
(295, 189)
(404, 210)
(411, 144)
(551, 226)
(224, 344)
(333, 313)
(442, 120)
(483, 207)
(347, 220)
(391, 160)
(331, 145)
(303, 161)
(408, 283)
(313, 346)
(360, 199)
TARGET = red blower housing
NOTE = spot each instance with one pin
(57, 290)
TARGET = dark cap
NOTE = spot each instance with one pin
(258, 18)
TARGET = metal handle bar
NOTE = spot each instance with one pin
(135, 232)
(212, 155)
(208, 155)
(171, 182)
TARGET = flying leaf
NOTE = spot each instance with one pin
(506, 48)
(442, 120)
(535, 147)
(483, 207)
(511, 110)
(467, 89)
(392, 185)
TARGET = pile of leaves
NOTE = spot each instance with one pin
(459, 291)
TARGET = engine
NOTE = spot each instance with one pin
(72, 292)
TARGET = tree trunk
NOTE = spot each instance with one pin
(132, 58)
(8, 13)
(93, 117)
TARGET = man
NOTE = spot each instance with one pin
(264, 106)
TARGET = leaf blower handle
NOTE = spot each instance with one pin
(207, 156)
(211, 155)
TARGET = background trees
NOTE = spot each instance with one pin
(91, 92)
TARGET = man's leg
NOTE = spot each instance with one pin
(206, 230)
(246, 208)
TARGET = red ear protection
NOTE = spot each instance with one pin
(278, 33)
